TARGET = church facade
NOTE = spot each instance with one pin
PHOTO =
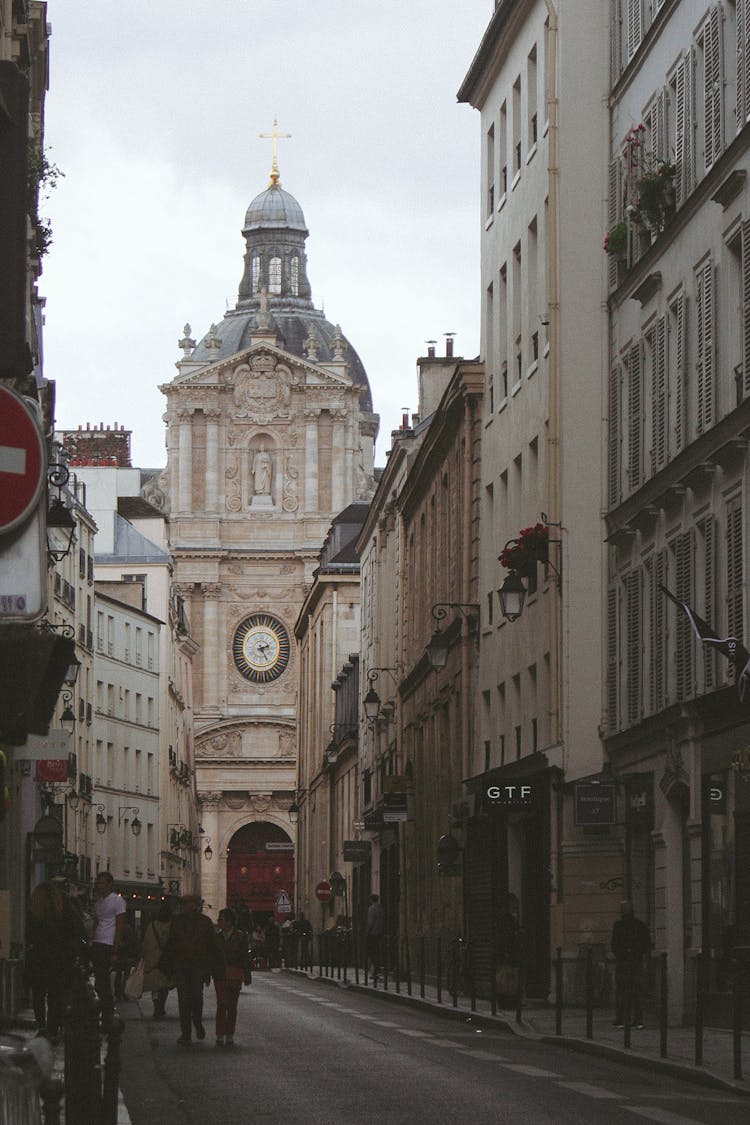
(270, 434)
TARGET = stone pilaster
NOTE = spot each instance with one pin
(211, 643)
(311, 460)
(338, 461)
(185, 484)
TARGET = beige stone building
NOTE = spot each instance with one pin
(270, 434)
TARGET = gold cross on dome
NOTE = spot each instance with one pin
(275, 136)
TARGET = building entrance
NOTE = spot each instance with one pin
(260, 864)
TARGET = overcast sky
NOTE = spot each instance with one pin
(153, 115)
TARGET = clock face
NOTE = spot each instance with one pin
(261, 648)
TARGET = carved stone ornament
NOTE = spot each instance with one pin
(261, 390)
(156, 491)
(221, 745)
(233, 487)
(210, 798)
(236, 800)
(260, 803)
(290, 497)
(286, 744)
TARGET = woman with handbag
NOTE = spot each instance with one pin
(158, 975)
(231, 970)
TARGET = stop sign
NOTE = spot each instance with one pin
(323, 891)
(21, 461)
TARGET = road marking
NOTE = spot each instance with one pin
(662, 1115)
(486, 1056)
(361, 1016)
(532, 1071)
(589, 1090)
(12, 460)
(384, 1023)
(414, 1034)
(444, 1043)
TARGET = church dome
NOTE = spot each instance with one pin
(274, 208)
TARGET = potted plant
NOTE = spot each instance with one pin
(616, 239)
(656, 194)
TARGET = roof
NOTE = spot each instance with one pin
(136, 507)
(274, 207)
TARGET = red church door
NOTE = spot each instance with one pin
(260, 864)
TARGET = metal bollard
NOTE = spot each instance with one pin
(112, 1072)
(663, 1006)
(51, 1092)
(421, 966)
(83, 1080)
(558, 992)
(699, 995)
(737, 1026)
(454, 970)
(439, 971)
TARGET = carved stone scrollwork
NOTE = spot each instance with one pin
(210, 798)
(236, 801)
(221, 745)
(290, 497)
(233, 480)
(259, 803)
(211, 589)
(286, 743)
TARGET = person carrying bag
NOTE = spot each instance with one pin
(230, 972)
(158, 960)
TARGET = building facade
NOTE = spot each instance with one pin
(539, 81)
(269, 435)
(679, 376)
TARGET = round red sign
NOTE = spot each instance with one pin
(323, 891)
(21, 461)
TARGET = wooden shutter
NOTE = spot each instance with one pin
(706, 350)
(615, 42)
(655, 121)
(659, 448)
(634, 29)
(746, 307)
(742, 109)
(683, 132)
(708, 532)
(735, 618)
(614, 438)
(634, 645)
(679, 344)
(685, 641)
(713, 88)
(635, 417)
(613, 663)
(658, 637)
(614, 213)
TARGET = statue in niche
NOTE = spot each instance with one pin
(262, 472)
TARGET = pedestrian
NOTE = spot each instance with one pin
(374, 933)
(510, 948)
(289, 943)
(55, 944)
(304, 934)
(158, 962)
(193, 947)
(109, 912)
(127, 955)
(244, 917)
(231, 971)
(631, 941)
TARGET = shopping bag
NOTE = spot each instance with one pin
(134, 983)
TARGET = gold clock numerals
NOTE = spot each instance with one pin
(261, 648)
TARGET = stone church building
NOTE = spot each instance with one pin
(270, 433)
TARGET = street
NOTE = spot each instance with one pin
(309, 1052)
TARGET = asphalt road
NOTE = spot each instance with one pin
(309, 1053)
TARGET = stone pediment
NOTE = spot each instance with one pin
(263, 357)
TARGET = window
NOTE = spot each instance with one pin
(150, 650)
(681, 96)
(710, 87)
(502, 326)
(490, 171)
(633, 27)
(489, 341)
(255, 272)
(294, 276)
(274, 275)
(735, 616)
(677, 371)
(657, 343)
(138, 645)
(531, 98)
(633, 662)
(517, 126)
(683, 559)
(658, 651)
(503, 147)
(707, 547)
(634, 365)
(613, 659)
(742, 108)
(99, 631)
(110, 635)
(614, 435)
(530, 282)
(655, 120)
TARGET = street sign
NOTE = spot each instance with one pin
(22, 461)
(357, 851)
(282, 904)
(594, 803)
(54, 769)
(44, 747)
(323, 891)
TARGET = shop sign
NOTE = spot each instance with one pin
(394, 806)
(54, 769)
(594, 803)
(717, 799)
(512, 796)
(357, 851)
(44, 747)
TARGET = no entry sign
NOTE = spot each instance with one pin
(323, 891)
(21, 461)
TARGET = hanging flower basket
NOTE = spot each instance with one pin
(535, 541)
(616, 240)
(656, 195)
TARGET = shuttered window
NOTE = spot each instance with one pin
(684, 639)
(614, 213)
(705, 359)
(677, 358)
(615, 41)
(655, 120)
(682, 90)
(613, 661)
(713, 88)
(633, 27)
(658, 632)
(659, 395)
(614, 437)
(745, 249)
(735, 618)
(635, 416)
(634, 645)
(742, 109)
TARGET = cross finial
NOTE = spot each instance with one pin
(275, 136)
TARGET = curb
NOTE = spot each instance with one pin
(698, 1076)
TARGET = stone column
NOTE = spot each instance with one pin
(338, 461)
(212, 656)
(212, 884)
(311, 460)
(213, 413)
(185, 498)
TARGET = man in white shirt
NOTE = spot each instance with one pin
(109, 909)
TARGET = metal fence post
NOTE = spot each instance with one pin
(699, 995)
(112, 1072)
(455, 950)
(558, 992)
(83, 1079)
(589, 992)
(737, 1025)
(421, 965)
(439, 970)
(663, 1007)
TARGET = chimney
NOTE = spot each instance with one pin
(431, 348)
(449, 344)
(404, 417)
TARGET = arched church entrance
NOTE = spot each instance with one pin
(260, 864)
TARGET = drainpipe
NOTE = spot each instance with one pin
(553, 312)
(466, 592)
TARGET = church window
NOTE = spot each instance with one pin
(274, 275)
(294, 275)
(255, 272)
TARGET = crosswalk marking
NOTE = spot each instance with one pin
(589, 1090)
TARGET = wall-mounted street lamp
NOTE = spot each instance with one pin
(61, 527)
(520, 556)
(371, 702)
(294, 808)
(512, 595)
(437, 649)
(101, 820)
(73, 799)
(68, 717)
(135, 826)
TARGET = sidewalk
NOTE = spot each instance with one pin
(538, 1023)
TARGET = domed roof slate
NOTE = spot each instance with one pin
(274, 207)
